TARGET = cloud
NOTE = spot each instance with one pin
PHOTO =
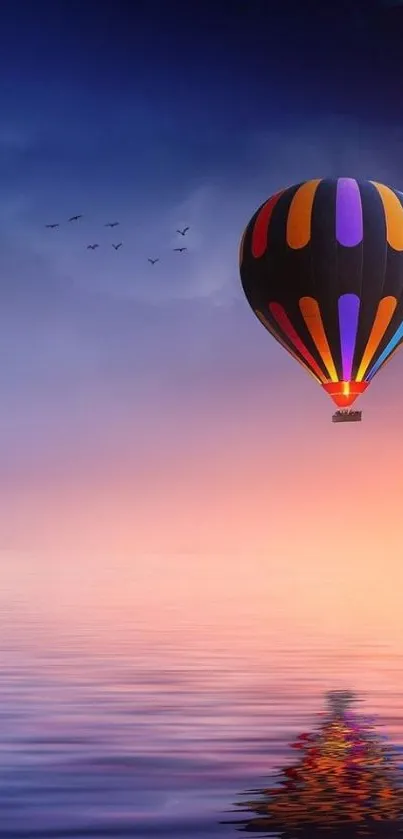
(328, 147)
(218, 211)
(216, 208)
(51, 276)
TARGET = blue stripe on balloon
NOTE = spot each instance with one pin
(387, 351)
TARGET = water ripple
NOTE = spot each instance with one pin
(156, 736)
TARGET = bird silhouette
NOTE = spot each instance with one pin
(153, 261)
(117, 246)
(182, 232)
(180, 249)
(52, 226)
(112, 223)
(92, 247)
(75, 218)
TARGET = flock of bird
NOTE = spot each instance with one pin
(113, 224)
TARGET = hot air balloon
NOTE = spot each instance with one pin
(321, 265)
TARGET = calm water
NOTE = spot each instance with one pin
(156, 732)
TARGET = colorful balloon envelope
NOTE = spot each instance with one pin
(322, 267)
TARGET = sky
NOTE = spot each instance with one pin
(148, 422)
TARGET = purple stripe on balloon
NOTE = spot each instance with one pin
(349, 305)
(349, 229)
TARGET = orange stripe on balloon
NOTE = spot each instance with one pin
(285, 324)
(275, 335)
(313, 319)
(382, 320)
(300, 215)
(393, 216)
(261, 226)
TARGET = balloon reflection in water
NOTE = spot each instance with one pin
(347, 781)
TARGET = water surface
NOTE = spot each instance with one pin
(122, 728)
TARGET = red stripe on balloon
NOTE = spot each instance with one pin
(285, 324)
(261, 226)
(281, 341)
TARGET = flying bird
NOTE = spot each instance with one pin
(75, 218)
(112, 224)
(153, 261)
(117, 246)
(52, 226)
(182, 232)
(92, 247)
(180, 249)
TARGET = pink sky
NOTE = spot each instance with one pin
(243, 507)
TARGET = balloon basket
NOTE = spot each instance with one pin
(344, 415)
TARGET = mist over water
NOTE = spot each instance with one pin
(118, 727)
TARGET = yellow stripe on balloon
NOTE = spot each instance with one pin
(300, 215)
(382, 320)
(275, 335)
(311, 313)
(393, 216)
